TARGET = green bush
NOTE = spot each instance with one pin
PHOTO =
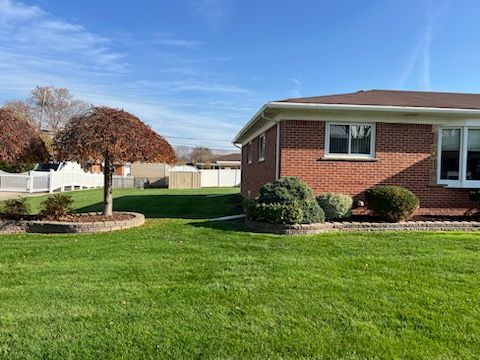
(14, 208)
(335, 206)
(274, 213)
(285, 196)
(56, 206)
(392, 203)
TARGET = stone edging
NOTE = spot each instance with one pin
(307, 229)
(62, 227)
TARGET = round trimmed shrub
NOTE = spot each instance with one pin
(289, 193)
(56, 206)
(392, 203)
(274, 213)
(15, 208)
(335, 206)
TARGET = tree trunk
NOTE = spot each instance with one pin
(107, 188)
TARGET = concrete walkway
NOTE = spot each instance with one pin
(5, 195)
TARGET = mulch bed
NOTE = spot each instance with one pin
(74, 218)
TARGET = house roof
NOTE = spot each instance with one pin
(228, 157)
(396, 98)
(391, 101)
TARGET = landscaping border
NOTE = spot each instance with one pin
(309, 229)
(63, 227)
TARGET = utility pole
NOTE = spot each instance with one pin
(42, 105)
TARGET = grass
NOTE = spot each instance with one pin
(182, 287)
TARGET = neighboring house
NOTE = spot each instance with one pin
(427, 142)
(228, 161)
(97, 168)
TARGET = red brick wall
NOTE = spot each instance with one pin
(403, 153)
(257, 173)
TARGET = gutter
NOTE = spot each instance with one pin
(372, 108)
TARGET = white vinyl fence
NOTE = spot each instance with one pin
(43, 181)
(220, 177)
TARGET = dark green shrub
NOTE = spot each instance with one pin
(274, 213)
(56, 206)
(287, 194)
(392, 203)
(14, 208)
(474, 195)
(335, 206)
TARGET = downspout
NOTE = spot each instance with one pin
(277, 145)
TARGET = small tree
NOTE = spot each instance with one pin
(200, 154)
(20, 143)
(111, 135)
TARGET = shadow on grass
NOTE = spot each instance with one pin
(174, 206)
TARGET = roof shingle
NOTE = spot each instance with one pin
(397, 98)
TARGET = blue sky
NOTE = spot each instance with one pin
(196, 70)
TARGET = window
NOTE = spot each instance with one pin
(450, 154)
(249, 152)
(261, 147)
(459, 156)
(350, 140)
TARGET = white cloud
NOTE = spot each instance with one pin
(182, 100)
(297, 87)
(420, 58)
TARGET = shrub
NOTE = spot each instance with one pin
(335, 206)
(274, 213)
(393, 203)
(56, 206)
(14, 208)
(285, 195)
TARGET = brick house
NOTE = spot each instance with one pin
(427, 142)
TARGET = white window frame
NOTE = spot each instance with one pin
(249, 152)
(462, 181)
(328, 154)
(262, 144)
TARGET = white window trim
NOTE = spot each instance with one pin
(349, 156)
(462, 181)
(249, 152)
(262, 158)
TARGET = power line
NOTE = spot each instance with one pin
(190, 138)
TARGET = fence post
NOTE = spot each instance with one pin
(30, 181)
(50, 181)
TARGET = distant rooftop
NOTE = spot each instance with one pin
(397, 98)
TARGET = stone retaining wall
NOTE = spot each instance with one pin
(59, 227)
(307, 229)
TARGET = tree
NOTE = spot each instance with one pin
(52, 108)
(48, 108)
(20, 143)
(111, 135)
(200, 154)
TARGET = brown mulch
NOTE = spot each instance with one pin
(82, 218)
(74, 218)
(370, 218)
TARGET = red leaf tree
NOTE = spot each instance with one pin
(111, 135)
(20, 143)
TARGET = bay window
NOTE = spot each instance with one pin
(350, 140)
(459, 156)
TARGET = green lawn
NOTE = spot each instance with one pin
(182, 287)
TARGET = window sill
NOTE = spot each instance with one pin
(347, 158)
(261, 160)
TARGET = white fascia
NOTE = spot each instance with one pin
(346, 107)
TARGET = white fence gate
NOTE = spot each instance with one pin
(220, 177)
(43, 181)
